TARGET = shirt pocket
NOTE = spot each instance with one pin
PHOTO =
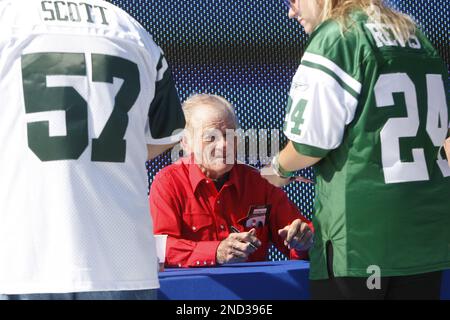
(198, 226)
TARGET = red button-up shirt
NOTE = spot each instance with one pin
(186, 206)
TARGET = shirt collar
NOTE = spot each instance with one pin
(235, 179)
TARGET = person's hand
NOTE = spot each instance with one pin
(269, 174)
(236, 247)
(297, 235)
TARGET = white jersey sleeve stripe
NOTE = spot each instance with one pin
(345, 77)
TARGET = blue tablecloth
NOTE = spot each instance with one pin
(258, 280)
(278, 280)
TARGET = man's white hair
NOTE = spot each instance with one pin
(199, 102)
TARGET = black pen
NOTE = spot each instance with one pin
(235, 230)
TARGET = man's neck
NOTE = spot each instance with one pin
(219, 182)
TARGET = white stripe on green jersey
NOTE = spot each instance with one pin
(332, 68)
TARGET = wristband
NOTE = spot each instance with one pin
(279, 170)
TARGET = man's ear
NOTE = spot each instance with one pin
(185, 143)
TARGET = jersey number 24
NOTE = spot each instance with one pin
(396, 171)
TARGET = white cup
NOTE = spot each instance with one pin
(161, 240)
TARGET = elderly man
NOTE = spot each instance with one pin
(215, 211)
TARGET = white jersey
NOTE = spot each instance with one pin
(83, 89)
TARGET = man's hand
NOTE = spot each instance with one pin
(297, 235)
(236, 247)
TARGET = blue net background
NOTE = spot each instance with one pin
(248, 51)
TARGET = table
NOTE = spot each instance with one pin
(282, 280)
(271, 280)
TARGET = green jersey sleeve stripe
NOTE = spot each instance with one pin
(333, 75)
(309, 151)
(333, 67)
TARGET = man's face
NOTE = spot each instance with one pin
(213, 152)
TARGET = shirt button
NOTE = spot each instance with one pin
(218, 201)
(205, 263)
(212, 263)
(198, 263)
(179, 265)
(222, 227)
(194, 228)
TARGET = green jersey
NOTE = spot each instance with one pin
(375, 109)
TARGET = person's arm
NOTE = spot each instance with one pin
(165, 116)
(291, 160)
(166, 211)
(154, 150)
(288, 161)
(322, 102)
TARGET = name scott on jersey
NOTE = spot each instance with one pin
(73, 12)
